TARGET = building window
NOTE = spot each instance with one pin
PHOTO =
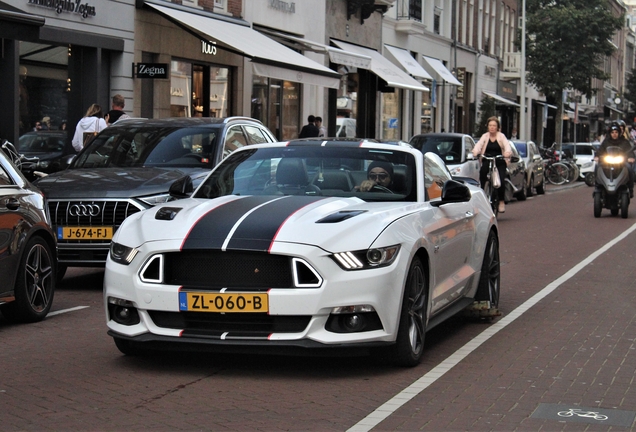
(199, 90)
(410, 9)
(436, 23)
(276, 103)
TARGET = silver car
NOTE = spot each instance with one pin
(455, 149)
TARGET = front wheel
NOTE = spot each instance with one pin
(491, 195)
(624, 204)
(409, 344)
(541, 188)
(598, 205)
(34, 285)
(489, 281)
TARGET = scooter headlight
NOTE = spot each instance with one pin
(614, 159)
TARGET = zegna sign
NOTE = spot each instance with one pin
(70, 6)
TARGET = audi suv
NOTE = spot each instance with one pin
(128, 168)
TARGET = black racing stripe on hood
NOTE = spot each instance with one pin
(212, 229)
(258, 230)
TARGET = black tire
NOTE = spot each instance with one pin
(521, 195)
(127, 347)
(598, 205)
(590, 179)
(492, 198)
(34, 285)
(530, 188)
(409, 344)
(489, 281)
(624, 205)
(541, 188)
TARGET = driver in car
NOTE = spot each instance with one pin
(380, 174)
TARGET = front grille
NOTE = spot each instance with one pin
(237, 325)
(216, 269)
(111, 213)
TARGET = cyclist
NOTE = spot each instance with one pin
(494, 143)
(615, 139)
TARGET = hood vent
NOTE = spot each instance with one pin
(340, 216)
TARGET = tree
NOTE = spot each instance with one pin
(630, 92)
(567, 42)
(486, 110)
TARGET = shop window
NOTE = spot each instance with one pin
(192, 94)
(390, 109)
(346, 102)
(276, 104)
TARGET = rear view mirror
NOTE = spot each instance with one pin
(181, 188)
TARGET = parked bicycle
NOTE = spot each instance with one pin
(555, 172)
(21, 162)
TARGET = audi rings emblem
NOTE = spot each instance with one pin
(84, 210)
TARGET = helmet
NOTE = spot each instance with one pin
(621, 123)
(614, 126)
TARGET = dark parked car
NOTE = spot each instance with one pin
(529, 152)
(129, 167)
(52, 149)
(455, 149)
(516, 181)
(27, 248)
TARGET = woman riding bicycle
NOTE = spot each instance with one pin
(494, 143)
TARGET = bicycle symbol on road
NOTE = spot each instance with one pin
(580, 413)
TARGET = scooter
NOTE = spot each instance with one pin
(612, 180)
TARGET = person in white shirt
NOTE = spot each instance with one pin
(92, 123)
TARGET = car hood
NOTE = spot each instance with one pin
(255, 223)
(113, 182)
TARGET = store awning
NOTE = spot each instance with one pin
(442, 71)
(408, 62)
(244, 40)
(498, 98)
(547, 104)
(611, 108)
(382, 67)
(336, 55)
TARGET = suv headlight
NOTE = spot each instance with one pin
(153, 200)
(122, 254)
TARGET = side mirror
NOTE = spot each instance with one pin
(514, 159)
(470, 156)
(453, 192)
(181, 188)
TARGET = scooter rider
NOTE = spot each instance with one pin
(615, 139)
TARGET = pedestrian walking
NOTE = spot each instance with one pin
(88, 127)
(309, 130)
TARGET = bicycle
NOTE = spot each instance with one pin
(21, 162)
(489, 189)
(555, 172)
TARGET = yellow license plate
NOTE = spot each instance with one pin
(223, 302)
(85, 233)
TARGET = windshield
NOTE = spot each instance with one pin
(372, 175)
(120, 147)
(447, 148)
(43, 143)
(522, 148)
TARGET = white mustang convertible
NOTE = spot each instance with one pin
(305, 244)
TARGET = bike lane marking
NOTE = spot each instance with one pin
(73, 309)
(399, 400)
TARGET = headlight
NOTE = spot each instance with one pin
(614, 160)
(456, 171)
(156, 199)
(43, 164)
(122, 254)
(366, 259)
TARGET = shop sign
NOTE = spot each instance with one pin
(208, 47)
(71, 6)
(151, 70)
(461, 75)
(507, 90)
(283, 6)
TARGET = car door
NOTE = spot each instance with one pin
(472, 164)
(451, 234)
(517, 170)
(10, 222)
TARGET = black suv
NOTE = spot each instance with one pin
(129, 167)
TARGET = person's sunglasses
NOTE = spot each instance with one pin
(382, 176)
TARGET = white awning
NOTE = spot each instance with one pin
(408, 62)
(336, 55)
(254, 45)
(382, 67)
(441, 70)
(547, 104)
(500, 99)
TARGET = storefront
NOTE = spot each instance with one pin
(53, 64)
(220, 66)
